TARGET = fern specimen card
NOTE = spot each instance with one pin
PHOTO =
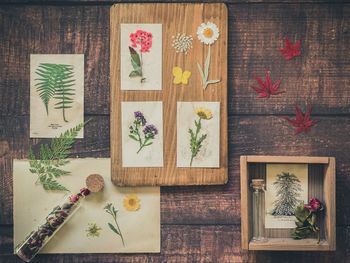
(56, 94)
(111, 221)
(198, 134)
(141, 56)
(142, 133)
(286, 188)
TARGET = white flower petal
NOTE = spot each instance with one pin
(201, 29)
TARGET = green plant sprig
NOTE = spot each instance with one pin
(110, 209)
(51, 157)
(56, 82)
(196, 143)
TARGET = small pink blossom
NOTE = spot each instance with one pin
(74, 198)
(314, 205)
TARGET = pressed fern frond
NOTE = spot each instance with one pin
(51, 157)
(56, 81)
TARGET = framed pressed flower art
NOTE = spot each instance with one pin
(174, 55)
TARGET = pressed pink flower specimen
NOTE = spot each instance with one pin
(267, 88)
(291, 50)
(302, 122)
(141, 42)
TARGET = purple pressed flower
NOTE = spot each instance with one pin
(150, 130)
(139, 117)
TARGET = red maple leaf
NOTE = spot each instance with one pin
(290, 50)
(267, 88)
(302, 122)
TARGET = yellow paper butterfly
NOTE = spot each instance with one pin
(181, 77)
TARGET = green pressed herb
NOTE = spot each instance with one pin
(56, 82)
(51, 157)
(110, 209)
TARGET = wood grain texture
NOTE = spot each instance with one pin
(188, 18)
(255, 126)
(318, 78)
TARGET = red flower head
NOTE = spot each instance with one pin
(74, 198)
(143, 39)
(85, 191)
(290, 50)
(267, 88)
(314, 205)
(302, 122)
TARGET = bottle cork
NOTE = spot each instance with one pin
(95, 183)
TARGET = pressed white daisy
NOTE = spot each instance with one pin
(208, 33)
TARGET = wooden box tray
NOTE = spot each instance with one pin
(175, 18)
(321, 178)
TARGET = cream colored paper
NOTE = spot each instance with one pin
(43, 125)
(152, 60)
(149, 156)
(301, 172)
(141, 229)
(209, 154)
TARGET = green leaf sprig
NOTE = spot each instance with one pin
(56, 82)
(51, 157)
(306, 216)
(110, 209)
(196, 139)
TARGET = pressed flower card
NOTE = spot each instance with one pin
(142, 134)
(111, 221)
(286, 188)
(141, 56)
(198, 134)
(56, 94)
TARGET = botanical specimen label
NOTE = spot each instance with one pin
(89, 230)
(142, 133)
(198, 134)
(56, 94)
(286, 188)
(141, 56)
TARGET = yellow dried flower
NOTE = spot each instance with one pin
(204, 113)
(132, 202)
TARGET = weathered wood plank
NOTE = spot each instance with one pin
(256, 33)
(110, 2)
(319, 77)
(182, 243)
(209, 204)
(179, 244)
(29, 30)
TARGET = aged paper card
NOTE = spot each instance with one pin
(198, 134)
(141, 56)
(286, 188)
(32, 204)
(56, 94)
(142, 134)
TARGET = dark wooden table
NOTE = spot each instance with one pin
(199, 224)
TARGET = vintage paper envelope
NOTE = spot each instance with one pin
(208, 154)
(56, 94)
(141, 70)
(140, 229)
(286, 187)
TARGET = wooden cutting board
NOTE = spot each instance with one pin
(175, 18)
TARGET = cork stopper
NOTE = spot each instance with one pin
(95, 183)
(258, 183)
